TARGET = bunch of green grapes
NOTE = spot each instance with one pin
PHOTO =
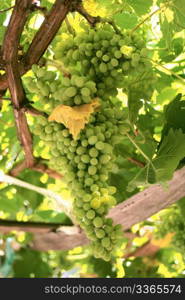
(172, 221)
(105, 57)
(100, 61)
(86, 163)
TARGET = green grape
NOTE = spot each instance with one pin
(106, 242)
(98, 222)
(90, 214)
(114, 62)
(103, 177)
(87, 198)
(117, 54)
(103, 68)
(100, 145)
(55, 152)
(77, 100)
(100, 233)
(104, 159)
(112, 190)
(77, 159)
(70, 91)
(99, 53)
(85, 92)
(95, 203)
(81, 166)
(93, 152)
(123, 129)
(38, 129)
(94, 188)
(86, 206)
(74, 143)
(80, 150)
(94, 161)
(70, 156)
(105, 58)
(88, 181)
(85, 158)
(67, 142)
(92, 170)
(89, 132)
(92, 140)
(84, 143)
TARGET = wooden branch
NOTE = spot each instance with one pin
(10, 56)
(42, 39)
(33, 111)
(132, 211)
(80, 9)
(39, 167)
(46, 33)
(6, 9)
(7, 226)
(60, 202)
(42, 168)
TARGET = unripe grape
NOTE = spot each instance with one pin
(98, 222)
(90, 214)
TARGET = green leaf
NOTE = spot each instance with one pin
(175, 115)
(167, 94)
(126, 20)
(134, 104)
(162, 167)
(31, 263)
(141, 7)
(50, 216)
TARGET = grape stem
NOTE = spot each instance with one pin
(112, 23)
(159, 9)
(140, 150)
(66, 206)
(94, 20)
(39, 166)
(6, 9)
(168, 70)
(81, 10)
(58, 65)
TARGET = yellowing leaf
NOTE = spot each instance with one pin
(74, 118)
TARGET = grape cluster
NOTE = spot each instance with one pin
(106, 57)
(86, 163)
(100, 62)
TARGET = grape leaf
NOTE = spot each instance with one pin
(140, 6)
(134, 104)
(74, 118)
(172, 20)
(126, 20)
(161, 168)
(175, 115)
